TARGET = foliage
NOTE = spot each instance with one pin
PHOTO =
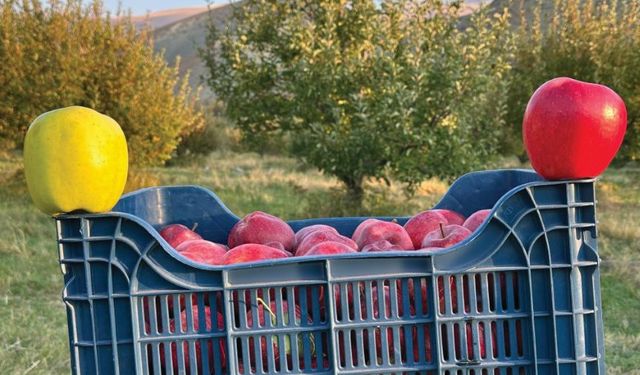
(214, 135)
(64, 53)
(595, 41)
(389, 89)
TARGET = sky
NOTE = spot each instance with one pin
(141, 7)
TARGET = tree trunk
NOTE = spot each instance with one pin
(355, 191)
(523, 157)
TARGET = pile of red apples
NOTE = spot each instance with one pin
(260, 236)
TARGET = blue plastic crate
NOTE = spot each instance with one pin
(520, 296)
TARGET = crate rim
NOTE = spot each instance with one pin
(282, 261)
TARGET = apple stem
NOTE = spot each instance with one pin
(263, 303)
(193, 228)
(442, 230)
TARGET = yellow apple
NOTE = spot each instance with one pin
(75, 159)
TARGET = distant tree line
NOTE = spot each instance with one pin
(360, 89)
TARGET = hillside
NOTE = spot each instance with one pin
(184, 37)
(166, 17)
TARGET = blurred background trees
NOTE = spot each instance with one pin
(594, 41)
(57, 54)
(391, 90)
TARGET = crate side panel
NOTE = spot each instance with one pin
(278, 325)
(187, 205)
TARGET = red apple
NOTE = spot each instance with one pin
(573, 129)
(387, 302)
(441, 294)
(252, 253)
(378, 246)
(302, 233)
(170, 307)
(146, 305)
(337, 300)
(202, 251)
(357, 233)
(421, 224)
(317, 300)
(412, 294)
(377, 314)
(390, 338)
(451, 216)
(261, 228)
(445, 236)
(454, 303)
(317, 237)
(476, 219)
(315, 365)
(277, 245)
(374, 230)
(469, 343)
(175, 234)
(219, 352)
(330, 248)
(238, 304)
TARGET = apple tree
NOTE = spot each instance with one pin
(60, 53)
(363, 88)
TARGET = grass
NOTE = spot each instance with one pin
(33, 331)
(619, 216)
